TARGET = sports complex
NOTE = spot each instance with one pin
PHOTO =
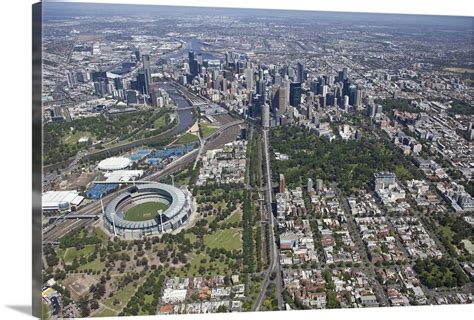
(147, 209)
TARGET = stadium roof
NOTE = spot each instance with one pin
(114, 163)
(177, 203)
(57, 199)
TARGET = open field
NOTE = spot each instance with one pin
(160, 122)
(72, 253)
(144, 211)
(105, 313)
(187, 138)
(207, 129)
(234, 217)
(228, 239)
(74, 137)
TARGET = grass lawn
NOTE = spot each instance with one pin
(187, 138)
(123, 295)
(207, 129)
(144, 211)
(228, 239)
(95, 265)
(234, 217)
(72, 253)
(160, 122)
(191, 237)
(106, 313)
(73, 138)
(100, 233)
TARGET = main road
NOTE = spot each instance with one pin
(274, 258)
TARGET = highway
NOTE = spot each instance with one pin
(275, 263)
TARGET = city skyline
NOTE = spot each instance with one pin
(225, 160)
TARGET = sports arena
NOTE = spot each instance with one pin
(147, 209)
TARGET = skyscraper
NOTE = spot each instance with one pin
(295, 94)
(281, 98)
(249, 78)
(147, 72)
(299, 72)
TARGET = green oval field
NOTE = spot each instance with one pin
(144, 211)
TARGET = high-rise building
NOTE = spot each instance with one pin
(345, 74)
(141, 82)
(281, 98)
(193, 64)
(249, 78)
(147, 72)
(295, 94)
(299, 72)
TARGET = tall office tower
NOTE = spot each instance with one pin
(346, 102)
(330, 99)
(227, 59)
(325, 90)
(286, 83)
(260, 74)
(193, 64)
(345, 74)
(249, 78)
(314, 86)
(299, 72)
(265, 115)
(371, 110)
(340, 76)
(282, 102)
(199, 59)
(330, 79)
(295, 94)
(282, 184)
(345, 87)
(141, 82)
(147, 71)
(358, 99)
(137, 55)
(256, 106)
(352, 94)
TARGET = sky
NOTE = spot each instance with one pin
(435, 7)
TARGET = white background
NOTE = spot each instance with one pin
(15, 154)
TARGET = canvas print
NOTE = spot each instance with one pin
(204, 160)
